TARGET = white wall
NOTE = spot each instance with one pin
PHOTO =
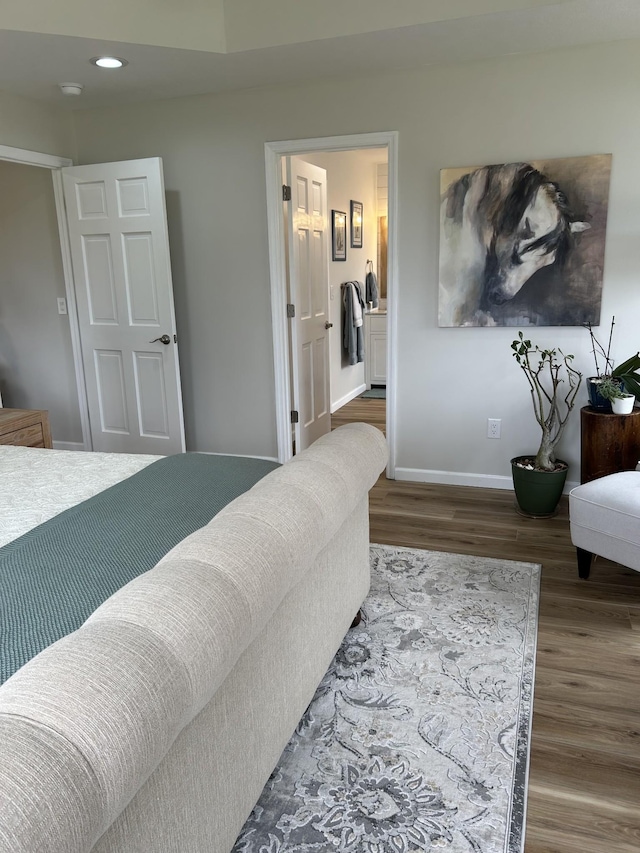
(350, 175)
(35, 126)
(36, 361)
(449, 381)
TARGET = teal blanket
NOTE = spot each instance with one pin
(56, 575)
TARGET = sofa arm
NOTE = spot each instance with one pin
(87, 721)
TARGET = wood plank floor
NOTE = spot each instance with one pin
(584, 781)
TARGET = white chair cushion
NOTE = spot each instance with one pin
(605, 517)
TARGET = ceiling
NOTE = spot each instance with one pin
(33, 64)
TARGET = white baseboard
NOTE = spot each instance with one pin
(454, 478)
(460, 478)
(68, 445)
(348, 397)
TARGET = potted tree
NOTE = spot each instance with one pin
(625, 375)
(539, 479)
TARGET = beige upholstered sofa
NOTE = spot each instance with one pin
(153, 728)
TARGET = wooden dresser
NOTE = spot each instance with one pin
(25, 428)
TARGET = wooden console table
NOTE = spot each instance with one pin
(608, 443)
(25, 428)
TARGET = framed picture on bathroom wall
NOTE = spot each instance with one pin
(338, 235)
(356, 224)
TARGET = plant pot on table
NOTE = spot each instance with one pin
(596, 400)
(623, 405)
(537, 492)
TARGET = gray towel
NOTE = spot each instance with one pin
(371, 288)
(352, 335)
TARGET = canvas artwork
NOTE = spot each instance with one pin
(522, 244)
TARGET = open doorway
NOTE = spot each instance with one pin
(375, 150)
(357, 187)
(50, 345)
(36, 358)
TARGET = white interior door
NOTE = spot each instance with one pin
(120, 257)
(308, 275)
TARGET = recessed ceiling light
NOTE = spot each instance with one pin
(108, 62)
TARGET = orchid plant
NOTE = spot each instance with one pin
(626, 373)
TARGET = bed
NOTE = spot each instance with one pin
(154, 724)
(37, 484)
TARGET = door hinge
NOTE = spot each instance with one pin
(294, 417)
(291, 310)
(286, 193)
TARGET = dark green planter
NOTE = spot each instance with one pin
(537, 492)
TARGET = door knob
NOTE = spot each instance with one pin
(164, 339)
(328, 325)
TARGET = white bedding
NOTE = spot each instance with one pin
(36, 484)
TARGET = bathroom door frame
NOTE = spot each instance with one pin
(273, 152)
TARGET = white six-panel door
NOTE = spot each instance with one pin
(120, 258)
(308, 273)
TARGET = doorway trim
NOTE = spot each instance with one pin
(55, 164)
(273, 152)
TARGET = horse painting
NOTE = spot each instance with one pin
(509, 247)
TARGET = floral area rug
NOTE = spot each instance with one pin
(418, 736)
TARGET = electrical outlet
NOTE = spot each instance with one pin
(494, 426)
(62, 305)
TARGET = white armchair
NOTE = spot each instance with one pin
(604, 519)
